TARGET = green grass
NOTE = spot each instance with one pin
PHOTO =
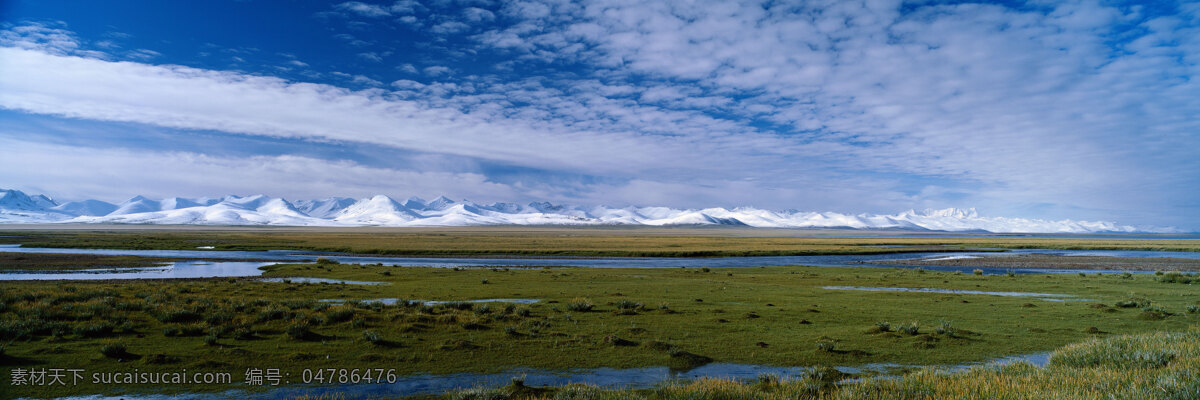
(1143, 366)
(555, 241)
(40, 262)
(725, 315)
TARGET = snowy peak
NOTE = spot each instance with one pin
(415, 203)
(17, 200)
(946, 213)
(440, 203)
(380, 210)
(91, 208)
(137, 204)
(324, 208)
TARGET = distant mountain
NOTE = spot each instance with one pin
(91, 208)
(18, 207)
(324, 208)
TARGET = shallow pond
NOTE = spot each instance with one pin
(610, 378)
(1041, 296)
(181, 269)
(303, 279)
(234, 268)
(393, 301)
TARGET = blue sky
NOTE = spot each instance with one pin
(1080, 110)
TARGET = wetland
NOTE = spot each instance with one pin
(422, 321)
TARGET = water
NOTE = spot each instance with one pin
(303, 279)
(1041, 296)
(175, 270)
(235, 268)
(393, 301)
(608, 378)
(236, 264)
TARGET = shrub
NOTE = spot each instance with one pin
(628, 305)
(946, 329)
(523, 312)
(178, 315)
(912, 328)
(1123, 352)
(1193, 309)
(192, 330)
(339, 315)
(977, 271)
(1174, 277)
(483, 309)
(1154, 313)
(1134, 302)
(883, 326)
(274, 313)
(616, 341)
(114, 350)
(298, 331)
(580, 305)
(459, 305)
(295, 304)
(210, 340)
(243, 333)
(826, 345)
(94, 330)
(218, 318)
(326, 261)
(372, 337)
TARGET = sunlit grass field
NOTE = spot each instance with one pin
(585, 318)
(560, 241)
(1144, 366)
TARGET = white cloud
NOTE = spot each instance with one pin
(405, 6)
(142, 54)
(371, 56)
(449, 27)
(115, 174)
(181, 97)
(1009, 108)
(364, 9)
(437, 70)
(407, 68)
(1063, 107)
(476, 14)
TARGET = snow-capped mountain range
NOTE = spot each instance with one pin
(18, 207)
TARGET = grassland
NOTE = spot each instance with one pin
(555, 241)
(1144, 366)
(585, 318)
(53, 262)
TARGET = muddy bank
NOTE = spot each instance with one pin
(37, 261)
(1059, 262)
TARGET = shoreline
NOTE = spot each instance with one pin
(1043, 261)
